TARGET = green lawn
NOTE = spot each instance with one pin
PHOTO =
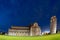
(46, 37)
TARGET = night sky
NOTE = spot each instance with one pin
(25, 12)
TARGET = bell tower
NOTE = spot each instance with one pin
(53, 25)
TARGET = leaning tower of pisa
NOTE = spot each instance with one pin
(53, 25)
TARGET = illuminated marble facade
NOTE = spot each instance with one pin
(53, 24)
(32, 30)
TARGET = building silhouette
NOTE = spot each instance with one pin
(53, 25)
(32, 30)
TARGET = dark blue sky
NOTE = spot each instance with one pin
(25, 12)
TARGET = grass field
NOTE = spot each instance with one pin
(46, 37)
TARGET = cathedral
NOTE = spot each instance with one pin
(32, 30)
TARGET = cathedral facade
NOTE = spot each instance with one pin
(32, 30)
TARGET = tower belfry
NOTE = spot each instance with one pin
(53, 24)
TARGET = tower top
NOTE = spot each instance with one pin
(53, 17)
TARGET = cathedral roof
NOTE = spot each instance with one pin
(19, 28)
